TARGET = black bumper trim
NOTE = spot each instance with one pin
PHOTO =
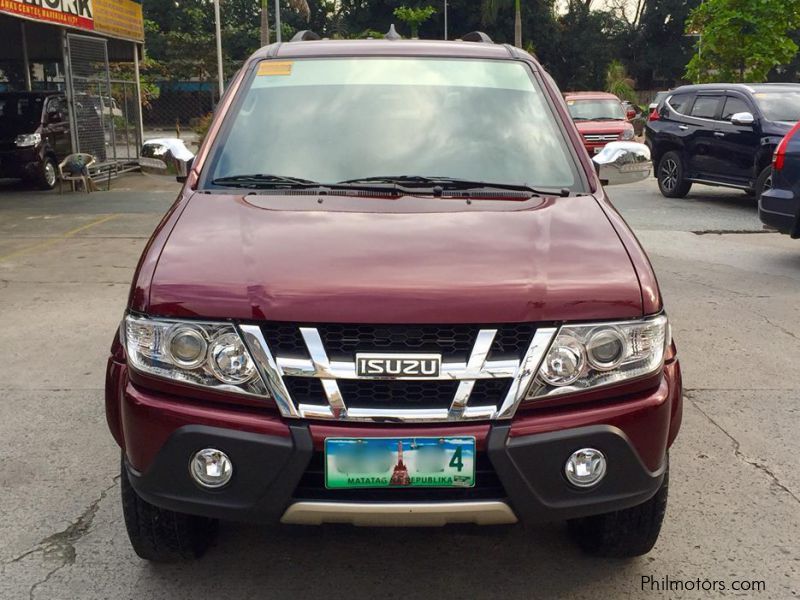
(266, 470)
(532, 471)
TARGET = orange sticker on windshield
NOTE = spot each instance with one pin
(275, 67)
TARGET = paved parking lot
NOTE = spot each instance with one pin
(732, 293)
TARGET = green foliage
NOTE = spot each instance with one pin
(414, 17)
(741, 40)
(618, 82)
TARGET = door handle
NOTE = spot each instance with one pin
(719, 134)
(683, 127)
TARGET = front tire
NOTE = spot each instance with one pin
(161, 535)
(625, 533)
(763, 182)
(672, 176)
(48, 174)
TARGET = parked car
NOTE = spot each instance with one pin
(779, 204)
(658, 99)
(600, 118)
(422, 310)
(720, 134)
(34, 136)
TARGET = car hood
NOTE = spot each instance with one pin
(603, 126)
(411, 260)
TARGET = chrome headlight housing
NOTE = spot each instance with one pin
(627, 135)
(28, 139)
(591, 355)
(211, 355)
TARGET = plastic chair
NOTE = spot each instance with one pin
(88, 161)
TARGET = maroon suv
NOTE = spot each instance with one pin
(394, 292)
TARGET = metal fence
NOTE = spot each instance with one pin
(104, 112)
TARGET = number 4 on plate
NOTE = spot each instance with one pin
(456, 460)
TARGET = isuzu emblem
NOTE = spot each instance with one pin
(398, 365)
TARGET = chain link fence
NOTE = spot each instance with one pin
(180, 109)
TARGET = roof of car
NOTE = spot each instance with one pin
(742, 87)
(589, 96)
(383, 47)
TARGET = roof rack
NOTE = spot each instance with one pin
(477, 36)
(306, 35)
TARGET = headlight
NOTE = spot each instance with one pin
(626, 135)
(208, 354)
(27, 139)
(596, 354)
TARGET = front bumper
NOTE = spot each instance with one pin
(268, 471)
(19, 163)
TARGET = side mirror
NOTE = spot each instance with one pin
(631, 114)
(743, 118)
(623, 162)
(166, 156)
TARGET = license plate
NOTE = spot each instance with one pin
(599, 149)
(400, 462)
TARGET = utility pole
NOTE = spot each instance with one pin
(220, 73)
(278, 21)
(445, 19)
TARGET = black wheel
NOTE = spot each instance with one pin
(672, 177)
(48, 174)
(624, 533)
(763, 182)
(161, 535)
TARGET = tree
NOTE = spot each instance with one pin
(618, 82)
(655, 49)
(741, 40)
(301, 6)
(414, 17)
(490, 8)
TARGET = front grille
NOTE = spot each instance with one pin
(593, 137)
(487, 487)
(305, 390)
(375, 393)
(491, 357)
(397, 393)
(489, 392)
(453, 342)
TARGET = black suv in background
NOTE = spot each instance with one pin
(34, 136)
(720, 134)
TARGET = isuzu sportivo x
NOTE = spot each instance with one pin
(394, 292)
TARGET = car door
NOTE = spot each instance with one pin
(737, 145)
(700, 146)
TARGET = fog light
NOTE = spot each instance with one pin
(211, 468)
(585, 467)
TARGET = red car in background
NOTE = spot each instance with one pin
(600, 117)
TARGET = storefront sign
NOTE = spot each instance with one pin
(114, 18)
(119, 18)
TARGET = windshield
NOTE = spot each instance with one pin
(339, 119)
(596, 110)
(780, 106)
(20, 114)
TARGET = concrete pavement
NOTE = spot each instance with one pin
(734, 513)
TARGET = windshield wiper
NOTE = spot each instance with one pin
(258, 180)
(454, 183)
